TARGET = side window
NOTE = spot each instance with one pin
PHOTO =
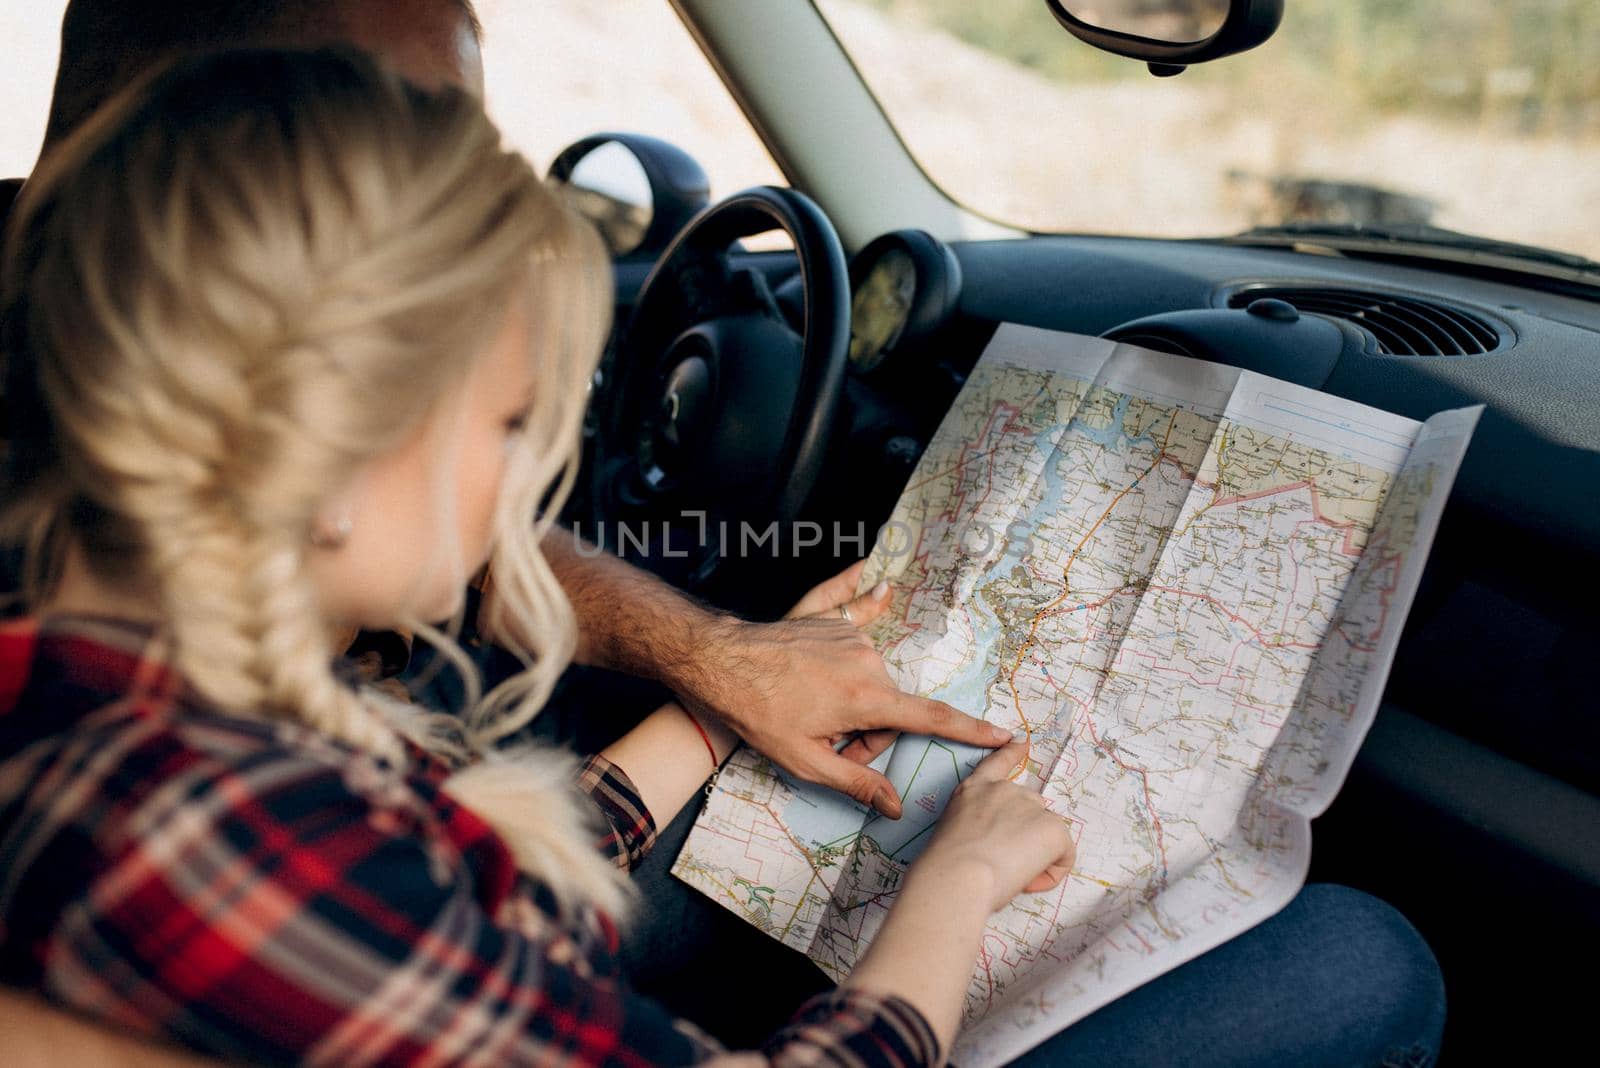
(559, 70)
(556, 70)
(31, 32)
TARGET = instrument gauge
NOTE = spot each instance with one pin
(904, 286)
(881, 307)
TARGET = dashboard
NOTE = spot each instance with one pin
(918, 303)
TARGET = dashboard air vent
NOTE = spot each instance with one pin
(1402, 326)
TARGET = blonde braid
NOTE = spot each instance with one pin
(195, 561)
(291, 657)
(232, 287)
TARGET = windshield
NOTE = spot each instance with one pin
(1479, 116)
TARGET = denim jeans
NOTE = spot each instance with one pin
(1336, 978)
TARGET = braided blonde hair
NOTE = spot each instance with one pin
(239, 281)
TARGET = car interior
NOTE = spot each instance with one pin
(1474, 806)
(796, 381)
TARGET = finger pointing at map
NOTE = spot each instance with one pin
(831, 706)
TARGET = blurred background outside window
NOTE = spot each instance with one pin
(556, 71)
(1473, 115)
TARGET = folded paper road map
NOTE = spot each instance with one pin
(1186, 583)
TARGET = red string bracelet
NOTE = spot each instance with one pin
(715, 763)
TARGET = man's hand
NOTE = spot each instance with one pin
(798, 688)
(795, 689)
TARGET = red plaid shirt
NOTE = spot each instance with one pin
(256, 890)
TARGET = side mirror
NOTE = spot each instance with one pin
(1170, 35)
(638, 191)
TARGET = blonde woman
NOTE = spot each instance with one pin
(249, 308)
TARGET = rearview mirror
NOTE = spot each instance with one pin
(1170, 35)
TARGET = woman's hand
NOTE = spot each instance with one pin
(997, 834)
(995, 839)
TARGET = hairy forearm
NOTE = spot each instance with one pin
(667, 759)
(628, 619)
(926, 948)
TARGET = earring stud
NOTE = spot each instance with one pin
(325, 538)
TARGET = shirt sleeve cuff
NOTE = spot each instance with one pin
(852, 1027)
(630, 830)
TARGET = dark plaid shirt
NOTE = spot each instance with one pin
(259, 891)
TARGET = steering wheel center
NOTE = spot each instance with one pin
(686, 402)
(669, 438)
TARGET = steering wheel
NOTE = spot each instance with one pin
(714, 403)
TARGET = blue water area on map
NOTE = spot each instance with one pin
(819, 816)
(927, 770)
(1113, 435)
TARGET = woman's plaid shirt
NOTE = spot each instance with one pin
(258, 891)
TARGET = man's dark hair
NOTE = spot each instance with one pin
(107, 44)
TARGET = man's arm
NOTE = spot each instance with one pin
(628, 619)
(797, 689)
